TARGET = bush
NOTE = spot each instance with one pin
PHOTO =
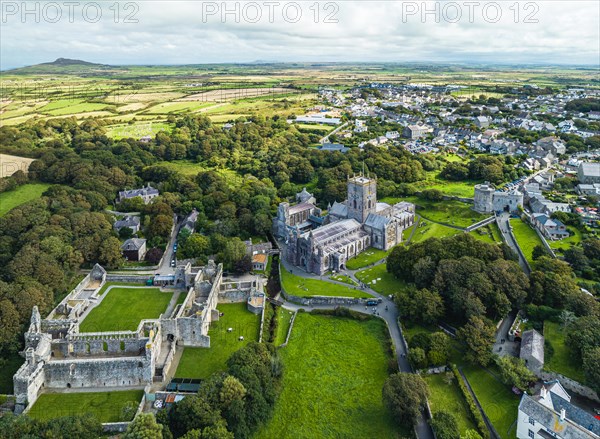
(475, 413)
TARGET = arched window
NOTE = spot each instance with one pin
(355, 204)
(369, 204)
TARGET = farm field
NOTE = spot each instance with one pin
(526, 237)
(203, 362)
(303, 287)
(380, 280)
(123, 308)
(562, 360)
(21, 195)
(448, 397)
(9, 164)
(498, 402)
(136, 130)
(334, 372)
(368, 257)
(106, 406)
(177, 107)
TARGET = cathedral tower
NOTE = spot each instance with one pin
(362, 197)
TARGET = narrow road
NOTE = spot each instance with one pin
(165, 265)
(326, 138)
(503, 221)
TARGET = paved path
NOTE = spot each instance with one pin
(326, 138)
(503, 221)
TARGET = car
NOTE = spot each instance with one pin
(372, 302)
(173, 263)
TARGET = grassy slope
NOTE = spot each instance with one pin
(285, 318)
(105, 405)
(384, 282)
(21, 195)
(123, 309)
(562, 360)
(334, 372)
(498, 402)
(427, 229)
(367, 257)
(526, 237)
(302, 287)
(202, 362)
(447, 397)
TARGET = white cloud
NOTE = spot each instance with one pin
(180, 32)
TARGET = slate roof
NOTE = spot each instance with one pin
(532, 345)
(300, 208)
(334, 229)
(339, 209)
(376, 221)
(128, 221)
(590, 169)
(133, 244)
(132, 193)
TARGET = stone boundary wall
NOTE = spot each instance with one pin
(262, 321)
(120, 427)
(481, 223)
(128, 278)
(233, 296)
(321, 300)
(570, 384)
(287, 337)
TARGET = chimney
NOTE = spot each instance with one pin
(543, 392)
(562, 415)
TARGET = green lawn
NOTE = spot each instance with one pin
(303, 287)
(562, 361)
(427, 229)
(123, 309)
(21, 195)
(106, 406)
(342, 278)
(526, 237)
(203, 362)
(567, 243)
(448, 397)
(380, 280)
(190, 168)
(497, 400)
(463, 189)
(368, 257)
(489, 234)
(334, 372)
(284, 318)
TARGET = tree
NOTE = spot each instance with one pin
(403, 394)
(514, 372)
(471, 434)
(444, 425)
(417, 358)
(144, 426)
(195, 246)
(192, 412)
(154, 255)
(125, 233)
(128, 411)
(160, 226)
(478, 334)
(232, 390)
(591, 360)
(583, 335)
(538, 251)
(110, 253)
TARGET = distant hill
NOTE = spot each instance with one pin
(63, 65)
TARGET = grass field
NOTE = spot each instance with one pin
(452, 212)
(106, 406)
(303, 287)
(498, 402)
(368, 257)
(463, 189)
(189, 168)
(380, 280)
(136, 130)
(447, 397)
(562, 361)
(123, 309)
(21, 195)
(203, 362)
(334, 372)
(427, 229)
(526, 237)
(567, 243)
(342, 278)
(489, 234)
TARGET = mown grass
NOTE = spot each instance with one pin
(498, 402)
(448, 398)
(124, 308)
(368, 257)
(489, 234)
(21, 195)
(203, 362)
(380, 280)
(106, 406)
(526, 237)
(562, 360)
(342, 278)
(334, 372)
(305, 287)
(428, 229)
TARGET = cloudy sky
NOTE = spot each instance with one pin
(187, 32)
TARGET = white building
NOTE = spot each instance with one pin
(549, 414)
